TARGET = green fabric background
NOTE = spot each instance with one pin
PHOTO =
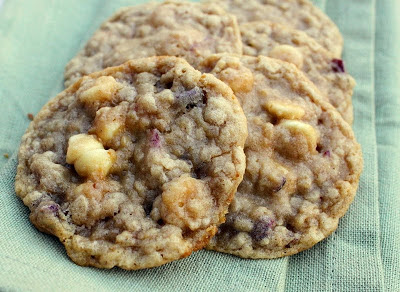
(38, 37)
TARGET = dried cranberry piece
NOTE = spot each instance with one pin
(261, 229)
(192, 98)
(338, 66)
(327, 153)
(54, 209)
(283, 182)
(155, 140)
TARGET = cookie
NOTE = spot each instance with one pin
(134, 166)
(298, 14)
(183, 29)
(321, 67)
(302, 161)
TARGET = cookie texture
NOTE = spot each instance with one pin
(302, 161)
(134, 166)
(183, 29)
(298, 14)
(321, 67)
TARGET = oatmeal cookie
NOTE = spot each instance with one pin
(321, 67)
(302, 161)
(134, 166)
(299, 14)
(183, 29)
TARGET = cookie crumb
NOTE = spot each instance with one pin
(30, 116)
(6, 155)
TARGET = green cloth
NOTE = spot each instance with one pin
(38, 37)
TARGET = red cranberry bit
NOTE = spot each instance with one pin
(327, 153)
(283, 182)
(192, 98)
(261, 229)
(338, 66)
(155, 140)
(292, 242)
(54, 209)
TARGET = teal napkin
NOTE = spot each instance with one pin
(38, 37)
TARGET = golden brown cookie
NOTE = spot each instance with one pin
(173, 28)
(302, 161)
(134, 166)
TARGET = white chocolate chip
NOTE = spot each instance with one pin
(89, 156)
(240, 79)
(96, 162)
(288, 54)
(296, 127)
(80, 144)
(103, 90)
(284, 110)
(108, 123)
(186, 202)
